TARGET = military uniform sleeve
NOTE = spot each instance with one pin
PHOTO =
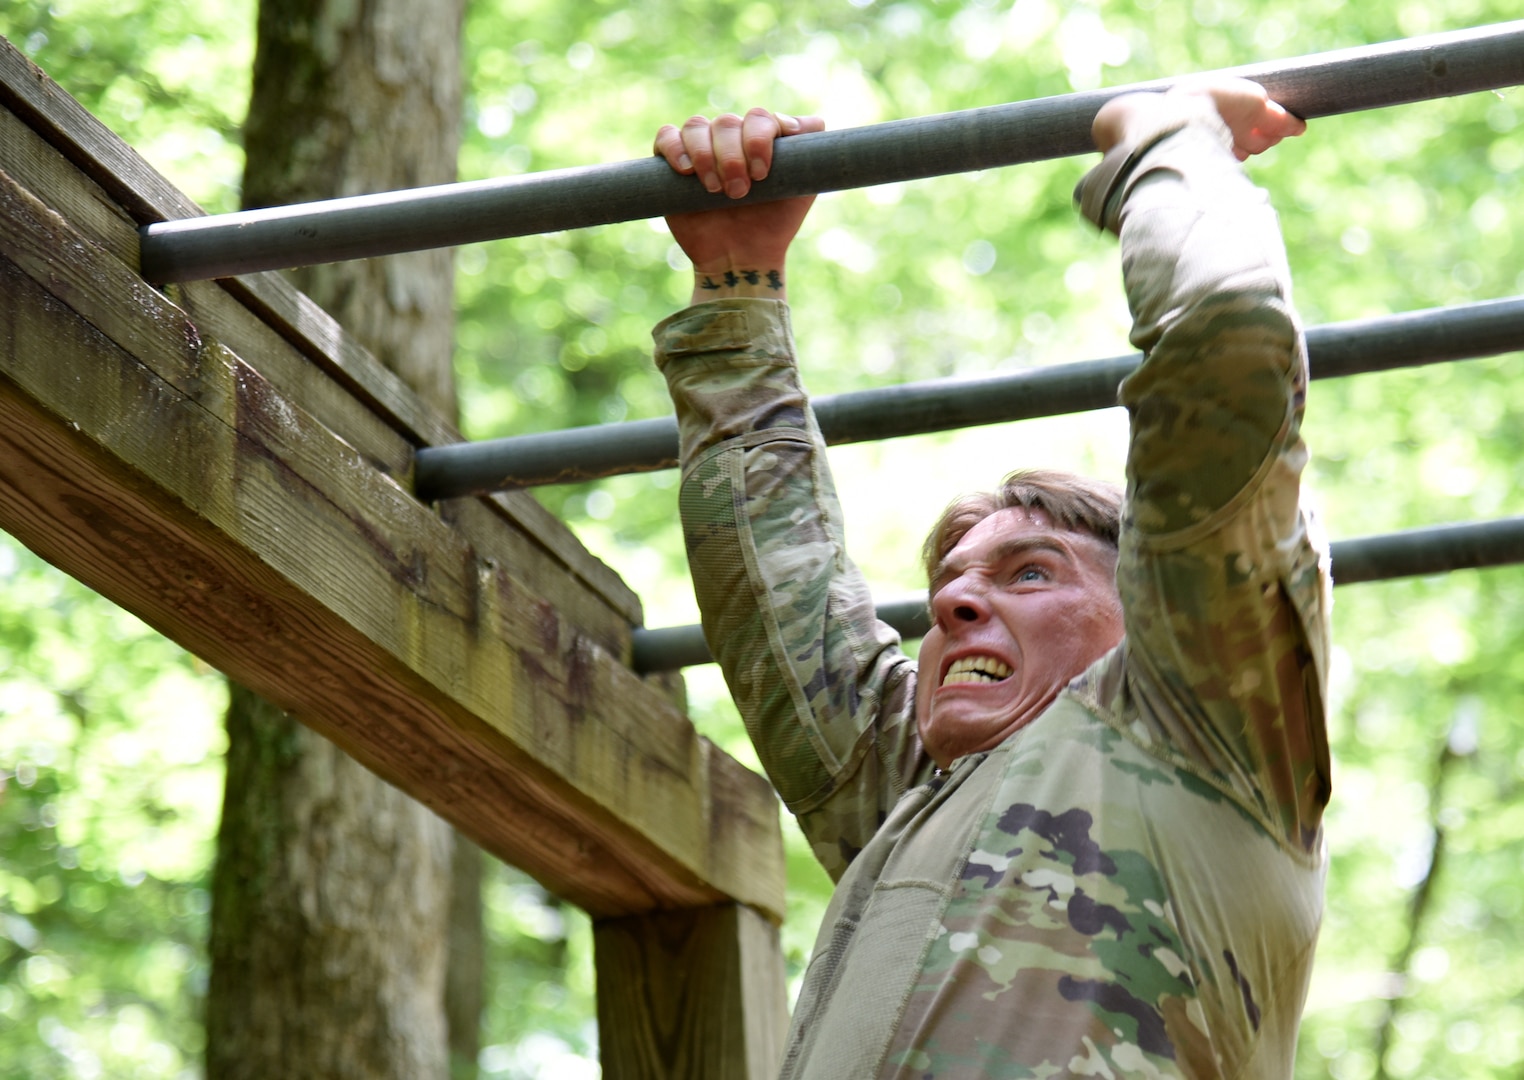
(823, 687)
(1223, 578)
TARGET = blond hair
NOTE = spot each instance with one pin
(1070, 501)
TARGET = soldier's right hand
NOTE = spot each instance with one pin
(735, 250)
(1256, 121)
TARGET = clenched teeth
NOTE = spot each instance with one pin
(972, 669)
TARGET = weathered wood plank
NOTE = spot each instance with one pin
(146, 196)
(108, 173)
(36, 165)
(454, 657)
(217, 314)
(690, 994)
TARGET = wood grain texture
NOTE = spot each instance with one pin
(110, 190)
(453, 654)
(36, 165)
(690, 994)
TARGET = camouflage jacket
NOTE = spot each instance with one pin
(1131, 885)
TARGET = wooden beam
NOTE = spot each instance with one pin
(111, 190)
(690, 994)
(474, 656)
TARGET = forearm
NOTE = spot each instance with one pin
(1221, 388)
(730, 370)
(826, 694)
(1196, 231)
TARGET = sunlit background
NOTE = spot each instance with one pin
(111, 738)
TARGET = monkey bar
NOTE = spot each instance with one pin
(1435, 549)
(1410, 339)
(1324, 84)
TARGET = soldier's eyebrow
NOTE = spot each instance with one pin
(951, 566)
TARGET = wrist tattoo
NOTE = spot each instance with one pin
(730, 279)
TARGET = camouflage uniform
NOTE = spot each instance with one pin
(1131, 885)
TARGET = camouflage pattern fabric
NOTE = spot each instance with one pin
(1131, 885)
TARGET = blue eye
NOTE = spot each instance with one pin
(1031, 573)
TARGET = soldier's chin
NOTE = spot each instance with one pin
(949, 733)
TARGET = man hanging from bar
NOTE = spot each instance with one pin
(1081, 835)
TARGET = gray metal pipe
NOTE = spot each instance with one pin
(1325, 84)
(1437, 549)
(1409, 339)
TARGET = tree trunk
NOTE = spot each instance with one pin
(328, 935)
(332, 894)
(356, 96)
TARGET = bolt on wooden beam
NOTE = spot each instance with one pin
(1324, 84)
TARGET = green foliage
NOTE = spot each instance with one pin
(110, 782)
(539, 1015)
(1384, 212)
(171, 79)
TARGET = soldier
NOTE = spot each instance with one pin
(1081, 835)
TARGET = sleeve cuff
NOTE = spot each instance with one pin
(1098, 189)
(733, 325)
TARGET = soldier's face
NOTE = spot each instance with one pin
(1019, 608)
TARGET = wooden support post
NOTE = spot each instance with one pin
(693, 994)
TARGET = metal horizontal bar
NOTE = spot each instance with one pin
(1437, 549)
(1409, 339)
(1325, 84)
